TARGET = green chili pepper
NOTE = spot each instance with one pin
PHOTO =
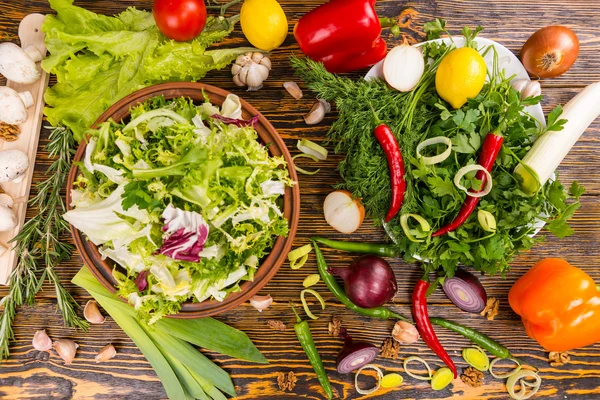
(380, 249)
(482, 340)
(338, 292)
(308, 344)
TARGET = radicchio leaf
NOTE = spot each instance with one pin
(185, 234)
(141, 282)
(237, 122)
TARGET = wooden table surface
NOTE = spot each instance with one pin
(28, 374)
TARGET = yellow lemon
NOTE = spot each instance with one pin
(460, 76)
(264, 23)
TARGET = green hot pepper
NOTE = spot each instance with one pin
(308, 344)
(380, 249)
(338, 292)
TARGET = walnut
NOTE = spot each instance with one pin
(390, 349)
(276, 324)
(286, 381)
(472, 377)
(9, 133)
(491, 308)
(334, 326)
(558, 359)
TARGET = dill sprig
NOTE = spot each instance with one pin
(40, 246)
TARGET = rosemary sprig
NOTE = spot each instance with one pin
(39, 242)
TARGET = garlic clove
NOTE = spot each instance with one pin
(235, 69)
(41, 341)
(66, 349)
(261, 302)
(106, 353)
(405, 333)
(242, 59)
(317, 112)
(293, 89)
(519, 84)
(266, 62)
(257, 57)
(238, 81)
(92, 314)
(533, 88)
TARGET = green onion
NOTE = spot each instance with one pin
(299, 256)
(311, 280)
(305, 305)
(312, 149)
(486, 220)
(425, 227)
(303, 171)
(470, 168)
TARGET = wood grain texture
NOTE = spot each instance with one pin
(29, 374)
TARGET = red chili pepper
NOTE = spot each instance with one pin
(421, 317)
(391, 148)
(489, 152)
(343, 34)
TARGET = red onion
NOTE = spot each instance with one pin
(354, 354)
(465, 291)
(369, 281)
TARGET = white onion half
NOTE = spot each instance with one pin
(342, 212)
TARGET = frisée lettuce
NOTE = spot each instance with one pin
(184, 197)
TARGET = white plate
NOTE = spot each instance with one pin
(511, 65)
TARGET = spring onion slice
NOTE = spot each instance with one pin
(508, 374)
(486, 220)
(311, 280)
(520, 379)
(305, 305)
(301, 170)
(425, 227)
(313, 149)
(437, 158)
(299, 256)
(419, 377)
(476, 358)
(391, 381)
(379, 378)
(441, 378)
(469, 168)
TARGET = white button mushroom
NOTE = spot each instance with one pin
(13, 105)
(18, 65)
(13, 164)
(8, 218)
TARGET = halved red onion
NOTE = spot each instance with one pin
(354, 354)
(465, 291)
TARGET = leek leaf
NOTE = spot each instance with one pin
(185, 377)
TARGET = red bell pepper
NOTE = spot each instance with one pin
(342, 34)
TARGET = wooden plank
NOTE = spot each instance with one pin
(30, 34)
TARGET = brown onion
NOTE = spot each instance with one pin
(550, 51)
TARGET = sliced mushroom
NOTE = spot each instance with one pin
(13, 164)
(13, 105)
(18, 65)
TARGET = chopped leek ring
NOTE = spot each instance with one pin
(486, 220)
(391, 381)
(520, 379)
(299, 256)
(508, 374)
(476, 358)
(305, 305)
(313, 149)
(299, 263)
(301, 170)
(419, 377)
(311, 280)
(437, 158)
(469, 168)
(379, 378)
(425, 227)
(442, 378)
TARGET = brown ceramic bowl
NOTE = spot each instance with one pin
(270, 265)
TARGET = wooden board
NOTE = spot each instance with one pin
(30, 33)
(32, 375)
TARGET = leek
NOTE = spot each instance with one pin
(550, 149)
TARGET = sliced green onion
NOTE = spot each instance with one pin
(520, 379)
(419, 377)
(373, 389)
(469, 168)
(311, 280)
(476, 358)
(437, 158)
(312, 149)
(391, 381)
(486, 220)
(303, 171)
(305, 305)
(299, 256)
(442, 378)
(508, 374)
(425, 227)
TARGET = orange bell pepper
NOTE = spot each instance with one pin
(559, 305)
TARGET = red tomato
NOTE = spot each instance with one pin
(180, 20)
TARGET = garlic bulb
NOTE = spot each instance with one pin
(41, 341)
(92, 314)
(106, 353)
(66, 349)
(251, 69)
